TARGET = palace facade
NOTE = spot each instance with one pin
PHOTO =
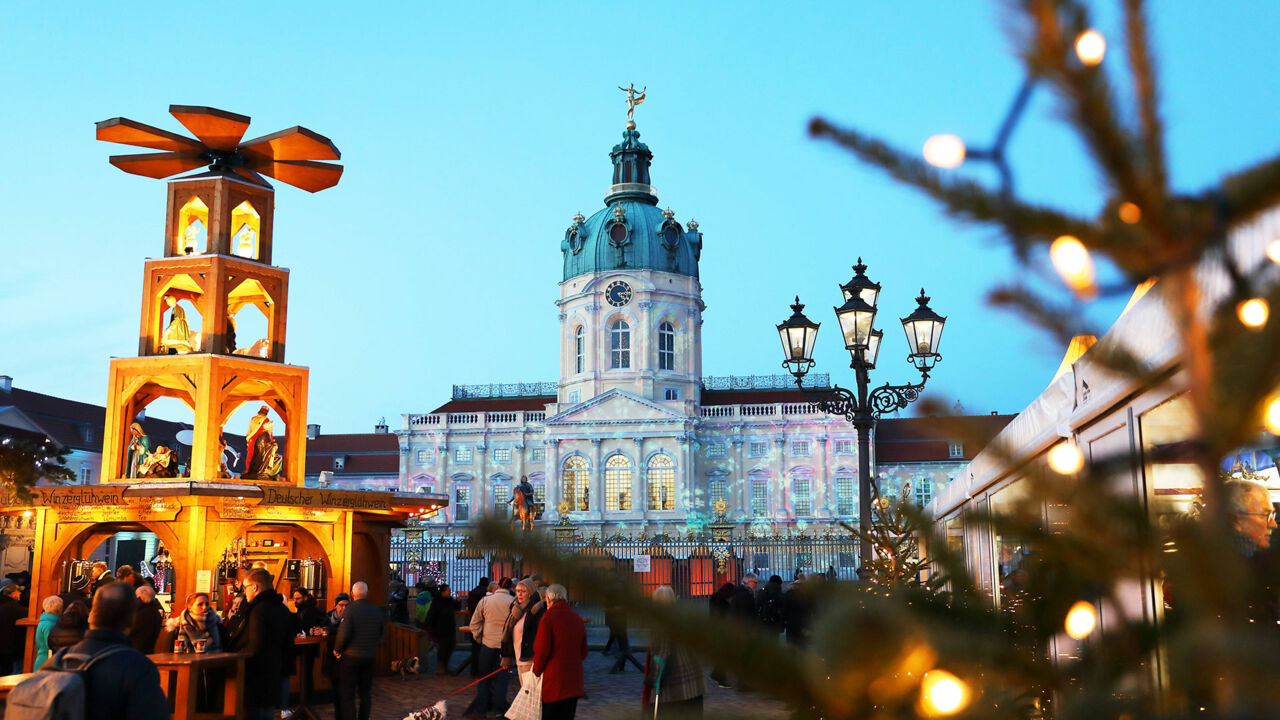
(632, 433)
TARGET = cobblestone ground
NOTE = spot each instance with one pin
(608, 696)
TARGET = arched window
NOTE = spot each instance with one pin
(193, 228)
(661, 476)
(244, 240)
(579, 349)
(620, 345)
(666, 347)
(577, 474)
(617, 483)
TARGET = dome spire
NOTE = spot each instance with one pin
(631, 158)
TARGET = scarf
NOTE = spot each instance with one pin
(197, 627)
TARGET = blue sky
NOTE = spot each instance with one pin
(471, 134)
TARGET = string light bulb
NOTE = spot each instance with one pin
(1091, 47)
(942, 693)
(1253, 313)
(944, 151)
(1065, 458)
(1271, 417)
(1074, 265)
(1273, 251)
(1129, 213)
(1081, 620)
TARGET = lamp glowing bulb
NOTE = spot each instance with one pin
(1082, 618)
(26, 513)
(1074, 265)
(1065, 458)
(942, 693)
(944, 151)
(1273, 251)
(1253, 313)
(1272, 417)
(1129, 213)
(1091, 47)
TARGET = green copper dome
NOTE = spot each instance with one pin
(630, 231)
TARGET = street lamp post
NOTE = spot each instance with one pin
(856, 317)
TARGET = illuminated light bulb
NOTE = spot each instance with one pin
(1074, 265)
(942, 693)
(1273, 251)
(1091, 47)
(26, 513)
(1253, 313)
(944, 151)
(1065, 458)
(1272, 417)
(1129, 213)
(1082, 618)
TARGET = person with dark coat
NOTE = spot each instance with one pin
(442, 627)
(616, 619)
(308, 611)
(399, 599)
(329, 661)
(100, 576)
(719, 602)
(473, 600)
(70, 627)
(148, 619)
(742, 606)
(267, 635)
(12, 635)
(797, 608)
(126, 685)
(363, 628)
(769, 605)
(558, 653)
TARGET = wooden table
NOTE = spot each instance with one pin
(8, 682)
(186, 668)
(308, 665)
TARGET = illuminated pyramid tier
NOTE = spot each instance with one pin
(216, 265)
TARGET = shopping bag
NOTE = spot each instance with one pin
(528, 702)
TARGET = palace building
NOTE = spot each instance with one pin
(632, 432)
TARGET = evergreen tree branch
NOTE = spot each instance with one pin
(1144, 81)
(965, 200)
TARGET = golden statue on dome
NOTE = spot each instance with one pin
(633, 99)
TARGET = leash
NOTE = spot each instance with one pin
(477, 682)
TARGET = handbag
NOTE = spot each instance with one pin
(528, 702)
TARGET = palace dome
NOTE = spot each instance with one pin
(630, 231)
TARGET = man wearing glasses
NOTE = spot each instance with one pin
(1253, 517)
(329, 664)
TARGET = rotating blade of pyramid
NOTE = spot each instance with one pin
(296, 143)
(304, 174)
(158, 165)
(217, 129)
(131, 132)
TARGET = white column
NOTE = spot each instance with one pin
(482, 477)
(822, 478)
(778, 505)
(551, 475)
(737, 494)
(684, 474)
(640, 480)
(595, 498)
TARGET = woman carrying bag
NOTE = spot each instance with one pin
(519, 631)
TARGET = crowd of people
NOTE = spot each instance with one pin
(523, 629)
(119, 615)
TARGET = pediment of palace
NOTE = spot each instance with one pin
(616, 407)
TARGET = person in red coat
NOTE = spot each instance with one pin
(558, 652)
